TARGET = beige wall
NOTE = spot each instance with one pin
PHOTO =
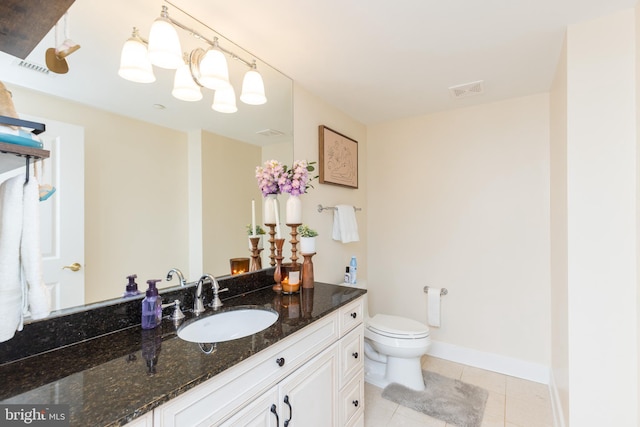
(601, 217)
(332, 256)
(559, 254)
(228, 169)
(124, 158)
(460, 200)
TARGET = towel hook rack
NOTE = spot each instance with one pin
(333, 208)
(443, 291)
(26, 179)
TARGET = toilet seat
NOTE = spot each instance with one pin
(397, 327)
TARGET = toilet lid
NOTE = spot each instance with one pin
(398, 326)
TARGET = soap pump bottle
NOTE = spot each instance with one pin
(151, 306)
(353, 270)
(132, 287)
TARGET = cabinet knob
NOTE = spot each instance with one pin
(280, 361)
(355, 403)
(355, 355)
(354, 315)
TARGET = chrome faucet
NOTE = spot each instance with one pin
(179, 274)
(198, 303)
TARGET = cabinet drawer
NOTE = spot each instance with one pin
(351, 354)
(352, 400)
(351, 315)
(223, 394)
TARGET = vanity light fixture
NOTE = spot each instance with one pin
(200, 68)
(184, 88)
(134, 64)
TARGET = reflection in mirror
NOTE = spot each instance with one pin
(163, 187)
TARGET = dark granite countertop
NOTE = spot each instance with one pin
(112, 379)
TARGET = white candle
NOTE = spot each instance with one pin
(253, 217)
(277, 221)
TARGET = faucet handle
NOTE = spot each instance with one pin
(216, 303)
(177, 313)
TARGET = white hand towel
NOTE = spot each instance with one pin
(345, 227)
(38, 293)
(11, 213)
(433, 306)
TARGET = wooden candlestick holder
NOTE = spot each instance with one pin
(277, 274)
(256, 261)
(272, 240)
(294, 243)
(307, 271)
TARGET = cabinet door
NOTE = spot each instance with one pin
(308, 397)
(262, 412)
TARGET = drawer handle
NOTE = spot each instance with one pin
(355, 355)
(286, 400)
(355, 403)
(280, 361)
(274, 412)
(354, 315)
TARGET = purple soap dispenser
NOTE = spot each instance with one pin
(132, 287)
(151, 306)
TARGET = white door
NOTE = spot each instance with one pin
(62, 215)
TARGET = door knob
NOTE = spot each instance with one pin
(73, 267)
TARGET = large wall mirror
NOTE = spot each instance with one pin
(167, 183)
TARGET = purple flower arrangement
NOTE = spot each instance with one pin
(275, 178)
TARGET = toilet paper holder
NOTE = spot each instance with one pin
(443, 291)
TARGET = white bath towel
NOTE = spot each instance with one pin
(345, 227)
(11, 217)
(39, 299)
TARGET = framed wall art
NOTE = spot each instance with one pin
(338, 158)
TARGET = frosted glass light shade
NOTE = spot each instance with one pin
(214, 73)
(224, 100)
(164, 45)
(134, 65)
(253, 88)
(184, 88)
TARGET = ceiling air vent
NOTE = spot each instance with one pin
(33, 67)
(270, 132)
(467, 89)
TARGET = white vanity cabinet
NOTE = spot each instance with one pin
(145, 420)
(351, 372)
(312, 378)
(305, 398)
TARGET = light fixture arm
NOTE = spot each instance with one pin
(213, 43)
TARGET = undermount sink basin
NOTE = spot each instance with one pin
(228, 325)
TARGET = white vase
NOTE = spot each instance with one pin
(270, 202)
(307, 245)
(294, 210)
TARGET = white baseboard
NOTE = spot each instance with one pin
(491, 362)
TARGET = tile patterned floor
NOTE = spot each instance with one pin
(512, 402)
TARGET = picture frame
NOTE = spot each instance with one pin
(338, 158)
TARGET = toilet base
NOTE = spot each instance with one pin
(407, 372)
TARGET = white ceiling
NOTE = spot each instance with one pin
(376, 60)
(379, 60)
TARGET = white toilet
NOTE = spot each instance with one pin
(393, 347)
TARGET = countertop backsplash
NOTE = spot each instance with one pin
(71, 326)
